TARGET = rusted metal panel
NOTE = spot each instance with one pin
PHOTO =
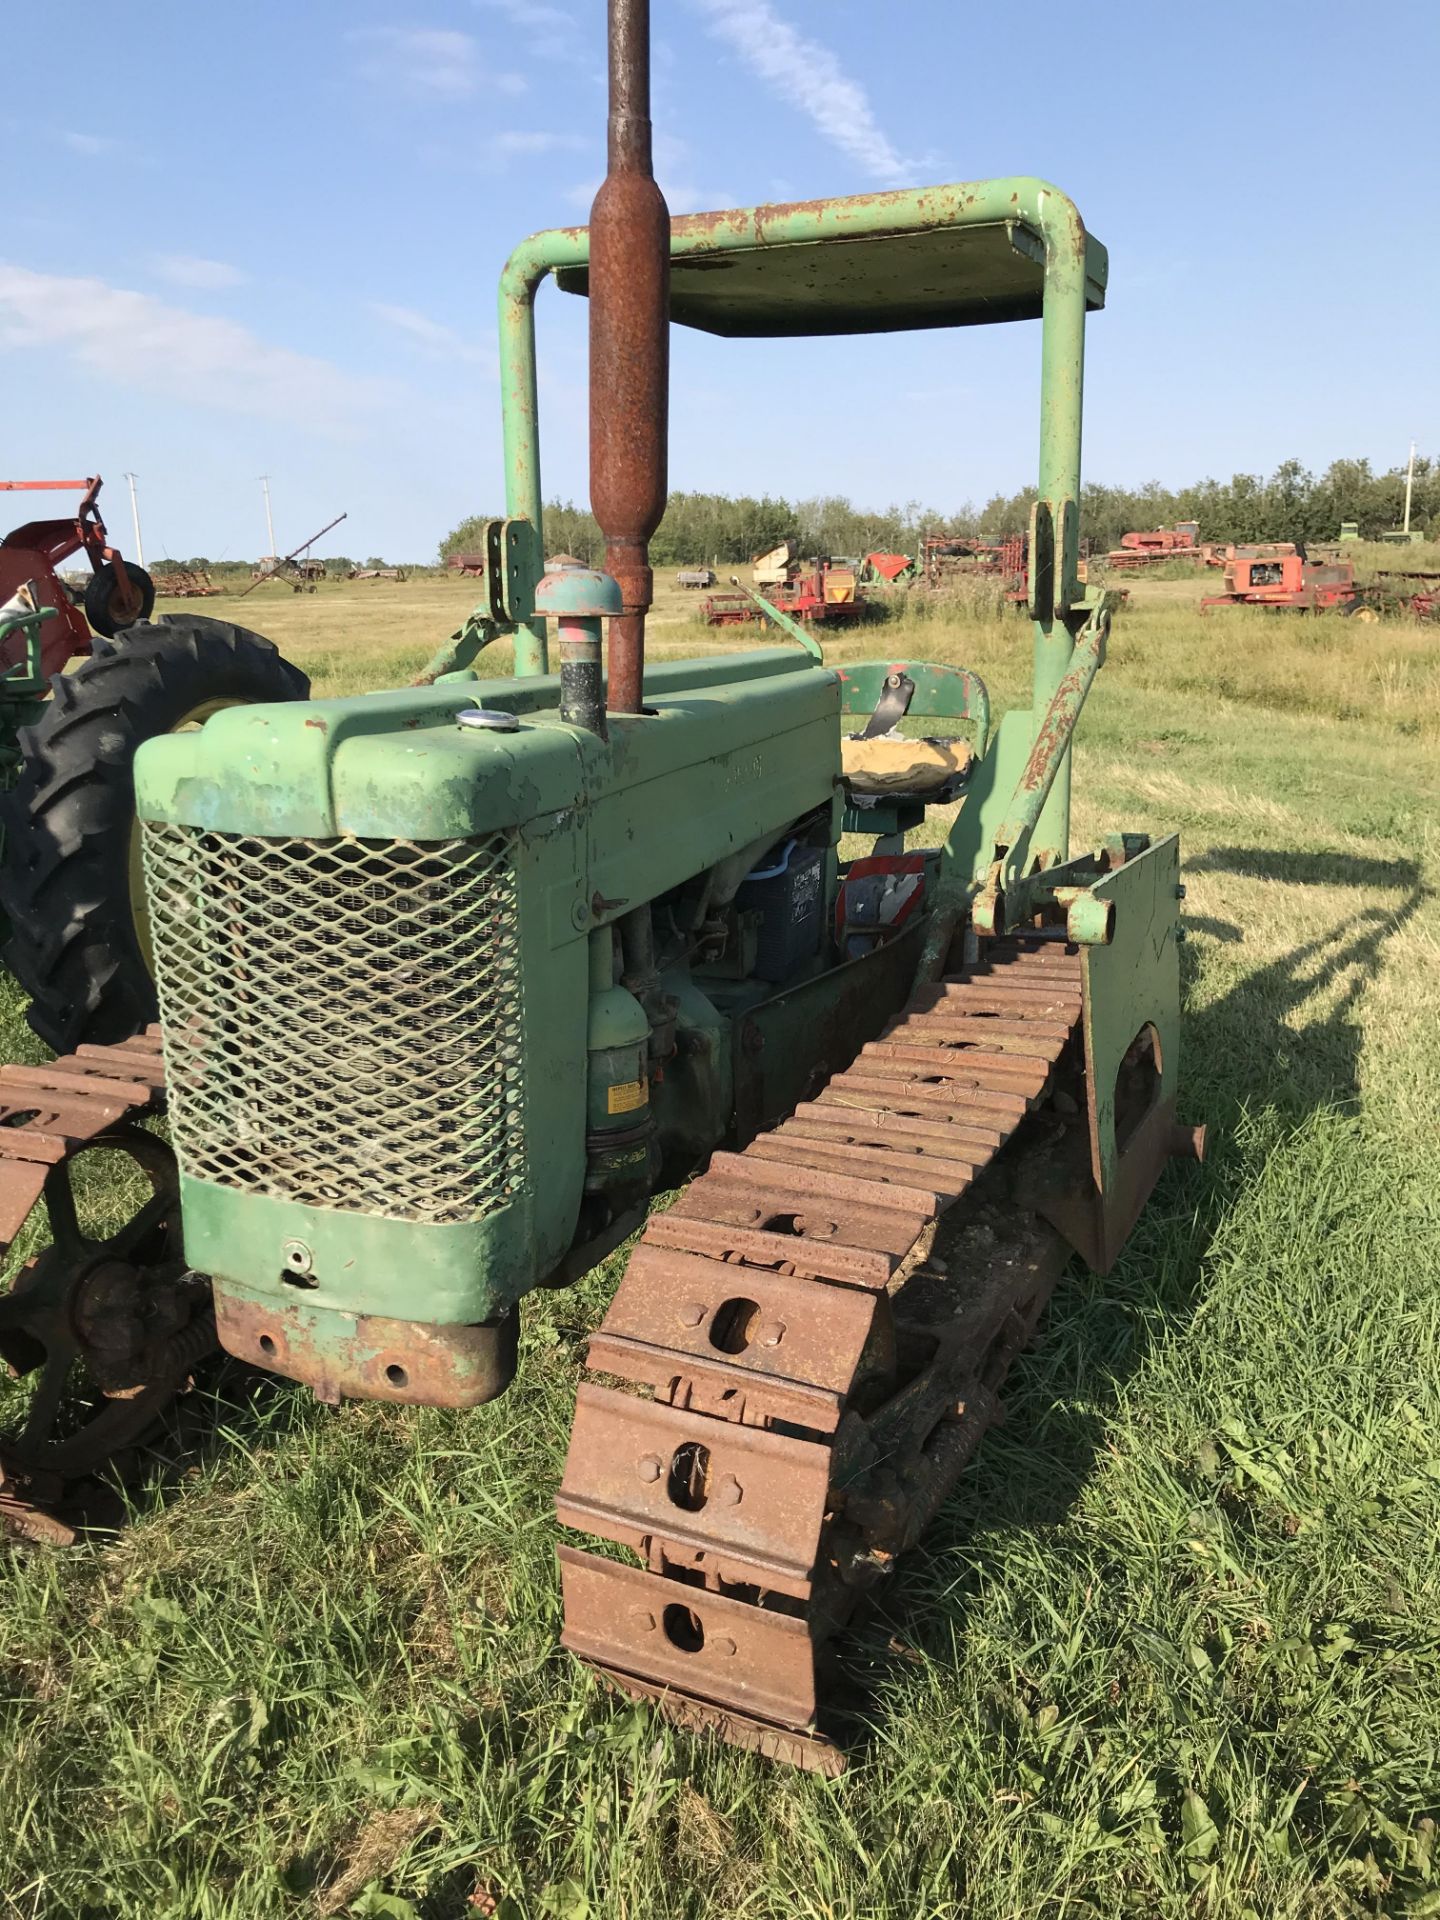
(822, 1258)
(975, 1145)
(759, 1321)
(47, 1112)
(967, 1064)
(57, 1079)
(1053, 957)
(809, 1216)
(810, 1752)
(1055, 1004)
(807, 1181)
(1026, 988)
(902, 1092)
(716, 1388)
(750, 1658)
(899, 1136)
(874, 1159)
(871, 1110)
(404, 1361)
(1019, 1037)
(739, 1502)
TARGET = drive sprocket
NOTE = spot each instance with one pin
(102, 1329)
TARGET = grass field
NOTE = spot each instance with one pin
(1174, 1647)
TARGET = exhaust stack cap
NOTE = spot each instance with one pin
(578, 593)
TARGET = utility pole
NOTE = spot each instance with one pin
(1409, 485)
(135, 518)
(269, 523)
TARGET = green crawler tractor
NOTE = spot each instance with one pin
(455, 979)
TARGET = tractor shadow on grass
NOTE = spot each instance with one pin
(1249, 1048)
(228, 1404)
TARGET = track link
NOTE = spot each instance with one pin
(815, 1383)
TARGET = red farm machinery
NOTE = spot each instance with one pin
(1287, 582)
(1137, 551)
(818, 592)
(117, 594)
(945, 559)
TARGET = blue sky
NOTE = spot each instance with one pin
(264, 238)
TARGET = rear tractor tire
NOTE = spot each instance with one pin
(69, 871)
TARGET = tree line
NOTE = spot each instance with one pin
(1291, 504)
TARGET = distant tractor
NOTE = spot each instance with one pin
(1287, 581)
(301, 576)
(117, 594)
(299, 569)
(87, 676)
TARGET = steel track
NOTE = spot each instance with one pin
(817, 1380)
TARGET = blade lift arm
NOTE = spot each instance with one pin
(1016, 888)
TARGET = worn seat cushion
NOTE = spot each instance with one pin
(891, 764)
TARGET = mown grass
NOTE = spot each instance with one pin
(1174, 1647)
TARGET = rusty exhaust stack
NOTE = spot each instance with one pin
(629, 349)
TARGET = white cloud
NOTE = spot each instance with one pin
(442, 342)
(136, 340)
(551, 33)
(90, 145)
(191, 270)
(674, 171)
(496, 152)
(523, 142)
(434, 63)
(531, 13)
(809, 76)
(685, 198)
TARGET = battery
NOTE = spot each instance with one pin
(789, 897)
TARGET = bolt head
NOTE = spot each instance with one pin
(650, 1467)
(729, 1491)
(722, 1646)
(643, 1619)
(692, 1313)
(772, 1333)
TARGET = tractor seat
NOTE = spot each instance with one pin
(888, 766)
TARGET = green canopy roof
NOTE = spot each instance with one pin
(875, 282)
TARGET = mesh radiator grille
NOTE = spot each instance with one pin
(342, 1018)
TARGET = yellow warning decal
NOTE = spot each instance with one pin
(625, 1098)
